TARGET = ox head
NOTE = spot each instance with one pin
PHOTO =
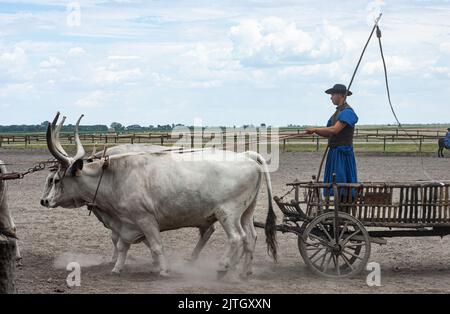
(61, 182)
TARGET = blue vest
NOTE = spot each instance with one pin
(345, 137)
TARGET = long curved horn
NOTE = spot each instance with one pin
(51, 147)
(55, 120)
(55, 133)
(56, 140)
(80, 149)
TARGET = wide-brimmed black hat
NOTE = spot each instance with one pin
(338, 89)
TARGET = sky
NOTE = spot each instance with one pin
(225, 63)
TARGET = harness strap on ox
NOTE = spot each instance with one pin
(104, 166)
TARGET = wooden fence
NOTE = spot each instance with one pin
(361, 136)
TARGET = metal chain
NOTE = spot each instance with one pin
(37, 167)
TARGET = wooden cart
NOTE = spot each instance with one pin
(336, 223)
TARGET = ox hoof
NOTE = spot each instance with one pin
(116, 272)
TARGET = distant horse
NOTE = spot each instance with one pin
(441, 147)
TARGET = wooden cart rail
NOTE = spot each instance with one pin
(396, 204)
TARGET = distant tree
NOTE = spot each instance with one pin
(117, 126)
(134, 127)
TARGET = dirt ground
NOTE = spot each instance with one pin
(51, 238)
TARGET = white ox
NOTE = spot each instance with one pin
(142, 194)
(7, 226)
(205, 232)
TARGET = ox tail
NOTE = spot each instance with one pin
(271, 220)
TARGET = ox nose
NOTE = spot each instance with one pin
(44, 202)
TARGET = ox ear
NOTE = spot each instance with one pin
(75, 169)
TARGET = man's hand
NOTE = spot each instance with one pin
(310, 130)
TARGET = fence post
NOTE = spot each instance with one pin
(284, 145)
(1, 141)
(317, 146)
(192, 141)
(224, 140)
(384, 144)
(7, 265)
(162, 140)
(420, 144)
(235, 143)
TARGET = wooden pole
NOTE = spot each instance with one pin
(7, 265)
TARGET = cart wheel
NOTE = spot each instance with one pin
(332, 254)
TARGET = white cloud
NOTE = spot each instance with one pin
(113, 75)
(445, 47)
(124, 57)
(275, 41)
(18, 90)
(96, 99)
(13, 61)
(52, 63)
(329, 70)
(76, 51)
(395, 64)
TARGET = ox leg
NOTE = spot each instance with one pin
(234, 231)
(122, 249)
(205, 234)
(155, 264)
(249, 240)
(115, 239)
(151, 231)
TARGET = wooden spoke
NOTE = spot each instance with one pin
(354, 255)
(328, 263)
(343, 231)
(347, 261)
(351, 236)
(326, 232)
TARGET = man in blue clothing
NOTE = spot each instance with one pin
(447, 139)
(339, 131)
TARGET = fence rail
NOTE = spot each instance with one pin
(287, 137)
